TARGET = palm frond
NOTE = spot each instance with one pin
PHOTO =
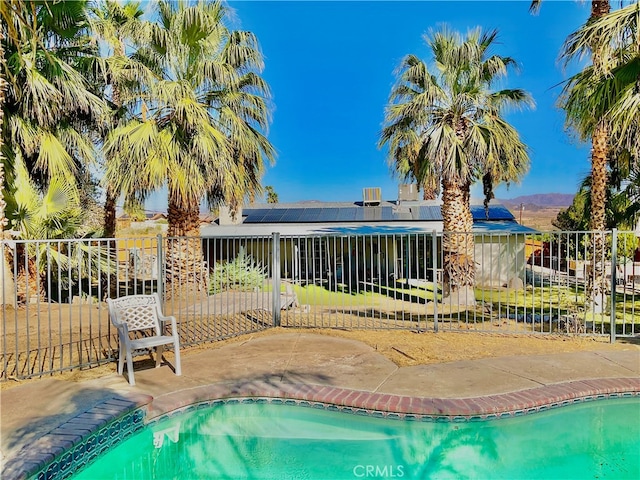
(447, 121)
(208, 109)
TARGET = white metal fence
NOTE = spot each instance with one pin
(54, 316)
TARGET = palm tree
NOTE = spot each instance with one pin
(613, 92)
(115, 24)
(602, 103)
(56, 213)
(622, 207)
(50, 106)
(444, 126)
(628, 200)
(200, 133)
(272, 196)
(599, 157)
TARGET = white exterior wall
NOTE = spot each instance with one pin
(498, 259)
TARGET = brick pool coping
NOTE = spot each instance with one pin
(81, 439)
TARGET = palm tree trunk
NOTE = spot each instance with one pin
(429, 193)
(186, 272)
(458, 242)
(596, 282)
(109, 231)
(600, 8)
(109, 218)
(28, 279)
(111, 196)
(599, 177)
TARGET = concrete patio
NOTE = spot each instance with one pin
(304, 366)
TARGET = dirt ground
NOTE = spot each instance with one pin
(406, 348)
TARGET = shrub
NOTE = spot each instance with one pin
(242, 273)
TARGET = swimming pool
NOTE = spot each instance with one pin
(276, 441)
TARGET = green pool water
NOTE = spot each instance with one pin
(598, 439)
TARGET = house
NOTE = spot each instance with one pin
(368, 240)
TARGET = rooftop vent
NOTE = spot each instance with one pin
(371, 196)
(408, 192)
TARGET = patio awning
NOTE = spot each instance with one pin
(501, 226)
(344, 229)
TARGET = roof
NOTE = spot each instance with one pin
(339, 213)
(336, 218)
(317, 229)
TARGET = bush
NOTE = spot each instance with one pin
(242, 273)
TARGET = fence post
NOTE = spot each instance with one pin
(614, 281)
(434, 260)
(275, 277)
(160, 279)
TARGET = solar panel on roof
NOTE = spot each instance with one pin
(328, 215)
(428, 213)
(387, 214)
(285, 215)
(294, 215)
(361, 214)
(275, 215)
(316, 214)
(312, 214)
(496, 212)
(255, 215)
(305, 214)
(346, 214)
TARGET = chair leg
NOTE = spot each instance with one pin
(159, 351)
(176, 351)
(130, 369)
(121, 355)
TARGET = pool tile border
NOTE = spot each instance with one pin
(488, 407)
(75, 443)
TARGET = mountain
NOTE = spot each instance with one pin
(539, 200)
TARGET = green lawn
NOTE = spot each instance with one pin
(554, 301)
(559, 300)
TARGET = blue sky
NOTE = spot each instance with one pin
(330, 65)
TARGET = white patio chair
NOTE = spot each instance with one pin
(142, 312)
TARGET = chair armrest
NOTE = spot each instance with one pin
(123, 331)
(120, 325)
(163, 319)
